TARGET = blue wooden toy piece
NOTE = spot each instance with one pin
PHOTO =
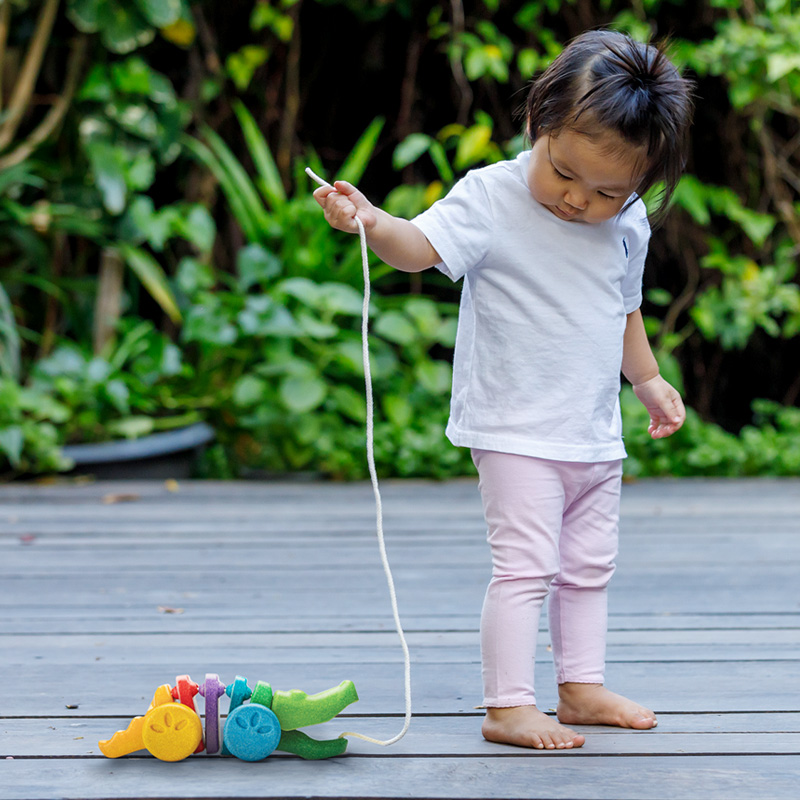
(172, 731)
(251, 732)
(238, 691)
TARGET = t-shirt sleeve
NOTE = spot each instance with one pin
(639, 239)
(459, 226)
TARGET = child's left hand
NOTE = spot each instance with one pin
(664, 405)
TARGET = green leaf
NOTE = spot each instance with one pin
(193, 275)
(133, 427)
(255, 265)
(396, 327)
(303, 289)
(248, 391)
(262, 316)
(140, 171)
(10, 350)
(109, 173)
(350, 403)
(135, 118)
(314, 327)
(302, 393)
(241, 210)
(86, 14)
(160, 13)
(410, 149)
(239, 183)
(439, 158)
(398, 410)
(690, 195)
(339, 298)
(270, 181)
(527, 62)
(132, 76)
(198, 227)
(356, 162)
(11, 443)
(242, 64)
(473, 146)
(97, 86)
(659, 297)
(119, 395)
(781, 64)
(152, 277)
(122, 29)
(435, 376)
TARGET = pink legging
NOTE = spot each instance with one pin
(552, 526)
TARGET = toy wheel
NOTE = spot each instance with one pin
(172, 732)
(251, 732)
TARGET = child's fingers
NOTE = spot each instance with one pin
(662, 426)
(321, 193)
(342, 202)
(339, 209)
(348, 190)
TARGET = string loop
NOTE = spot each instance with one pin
(375, 488)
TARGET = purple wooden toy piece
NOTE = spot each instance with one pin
(212, 690)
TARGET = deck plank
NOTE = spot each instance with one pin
(110, 589)
(540, 775)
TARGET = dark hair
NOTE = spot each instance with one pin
(604, 80)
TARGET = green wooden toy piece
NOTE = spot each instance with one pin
(296, 709)
(262, 694)
(304, 746)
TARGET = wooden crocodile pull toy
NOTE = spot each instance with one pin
(171, 730)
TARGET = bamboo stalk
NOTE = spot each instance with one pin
(56, 113)
(291, 108)
(108, 304)
(5, 23)
(26, 82)
(457, 68)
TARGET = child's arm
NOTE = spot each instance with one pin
(396, 241)
(639, 366)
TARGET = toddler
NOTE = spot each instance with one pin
(551, 247)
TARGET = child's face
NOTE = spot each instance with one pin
(580, 179)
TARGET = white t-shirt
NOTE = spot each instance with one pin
(542, 318)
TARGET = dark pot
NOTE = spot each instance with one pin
(159, 456)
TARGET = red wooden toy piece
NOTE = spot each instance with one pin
(184, 691)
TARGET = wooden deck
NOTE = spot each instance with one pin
(101, 602)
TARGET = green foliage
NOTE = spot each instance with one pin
(131, 126)
(748, 298)
(281, 361)
(770, 446)
(29, 439)
(701, 201)
(266, 344)
(276, 347)
(127, 392)
(757, 55)
(125, 25)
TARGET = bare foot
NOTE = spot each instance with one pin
(528, 727)
(593, 704)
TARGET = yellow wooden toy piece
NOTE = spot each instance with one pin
(168, 730)
(172, 732)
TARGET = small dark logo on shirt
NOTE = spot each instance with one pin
(625, 245)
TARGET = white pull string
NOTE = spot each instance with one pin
(376, 490)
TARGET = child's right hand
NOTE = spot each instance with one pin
(341, 203)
